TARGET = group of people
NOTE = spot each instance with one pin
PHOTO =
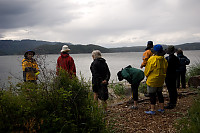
(158, 70)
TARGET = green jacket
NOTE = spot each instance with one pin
(132, 75)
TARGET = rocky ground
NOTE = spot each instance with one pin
(127, 120)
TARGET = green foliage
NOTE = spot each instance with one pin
(118, 89)
(191, 123)
(193, 70)
(66, 105)
(142, 88)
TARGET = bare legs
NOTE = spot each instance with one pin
(104, 103)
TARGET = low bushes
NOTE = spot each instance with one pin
(64, 105)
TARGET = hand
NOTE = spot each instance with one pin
(104, 82)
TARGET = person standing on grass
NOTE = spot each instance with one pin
(181, 70)
(30, 67)
(66, 62)
(170, 80)
(100, 77)
(155, 71)
(134, 77)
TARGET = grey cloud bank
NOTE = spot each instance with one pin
(110, 23)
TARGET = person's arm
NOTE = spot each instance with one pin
(148, 69)
(72, 67)
(105, 81)
(146, 56)
(187, 61)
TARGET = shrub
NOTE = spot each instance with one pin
(63, 105)
(142, 88)
(193, 70)
(191, 123)
(118, 89)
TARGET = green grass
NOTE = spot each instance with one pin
(191, 122)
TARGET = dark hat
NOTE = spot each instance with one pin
(25, 55)
(171, 49)
(119, 75)
(150, 44)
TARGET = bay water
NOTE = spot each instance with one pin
(11, 68)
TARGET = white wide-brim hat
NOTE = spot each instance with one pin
(65, 48)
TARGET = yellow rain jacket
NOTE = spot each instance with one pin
(29, 67)
(155, 71)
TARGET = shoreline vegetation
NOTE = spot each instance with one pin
(63, 104)
(18, 47)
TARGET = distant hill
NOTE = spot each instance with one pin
(75, 49)
(186, 46)
(11, 47)
(189, 46)
(15, 47)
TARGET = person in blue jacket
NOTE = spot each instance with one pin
(181, 70)
(134, 77)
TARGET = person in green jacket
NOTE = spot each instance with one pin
(134, 77)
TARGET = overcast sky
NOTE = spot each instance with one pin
(109, 23)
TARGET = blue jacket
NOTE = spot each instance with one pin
(183, 62)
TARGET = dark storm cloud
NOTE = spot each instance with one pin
(22, 13)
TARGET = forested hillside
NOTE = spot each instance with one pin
(15, 47)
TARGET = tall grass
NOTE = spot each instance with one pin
(193, 70)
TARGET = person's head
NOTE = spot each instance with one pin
(29, 54)
(96, 54)
(171, 49)
(179, 51)
(119, 75)
(158, 50)
(65, 48)
(150, 44)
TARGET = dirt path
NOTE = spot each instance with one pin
(131, 121)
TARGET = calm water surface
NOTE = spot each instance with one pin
(10, 67)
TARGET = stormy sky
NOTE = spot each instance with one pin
(109, 23)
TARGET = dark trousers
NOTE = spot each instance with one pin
(181, 77)
(171, 87)
(153, 97)
(134, 88)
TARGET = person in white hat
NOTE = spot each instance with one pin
(66, 62)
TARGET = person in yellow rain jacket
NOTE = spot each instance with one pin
(30, 67)
(155, 71)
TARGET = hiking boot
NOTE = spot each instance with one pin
(161, 110)
(150, 112)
